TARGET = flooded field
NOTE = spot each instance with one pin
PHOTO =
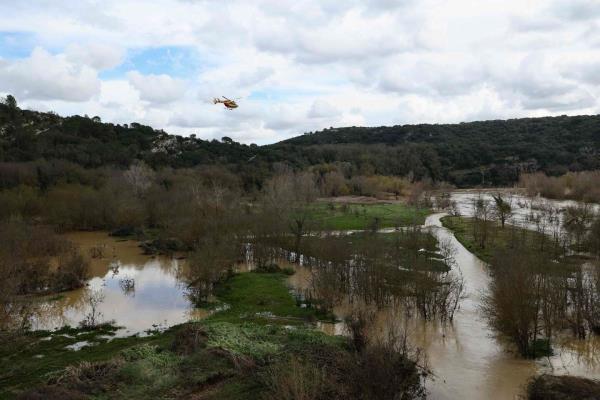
(139, 292)
(468, 361)
(524, 208)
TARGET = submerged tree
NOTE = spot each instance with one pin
(512, 304)
(503, 208)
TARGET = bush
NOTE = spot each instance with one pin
(86, 376)
(383, 372)
(297, 379)
(189, 339)
(71, 273)
(550, 387)
(274, 269)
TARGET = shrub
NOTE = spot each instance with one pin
(273, 269)
(86, 375)
(189, 339)
(297, 379)
(384, 372)
(71, 273)
(550, 387)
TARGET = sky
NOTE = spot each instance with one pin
(300, 65)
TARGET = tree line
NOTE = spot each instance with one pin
(488, 153)
(545, 277)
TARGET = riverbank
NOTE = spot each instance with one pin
(497, 237)
(330, 215)
(261, 342)
(259, 318)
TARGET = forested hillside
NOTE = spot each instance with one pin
(466, 154)
(489, 152)
(70, 143)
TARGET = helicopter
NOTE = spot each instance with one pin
(228, 103)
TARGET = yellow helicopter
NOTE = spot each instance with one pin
(228, 103)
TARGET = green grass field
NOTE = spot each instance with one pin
(362, 216)
(31, 359)
(261, 298)
(262, 322)
(500, 239)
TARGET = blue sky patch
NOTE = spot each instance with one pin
(16, 44)
(179, 62)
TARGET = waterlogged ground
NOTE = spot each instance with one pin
(523, 207)
(467, 360)
(470, 362)
(139, 292)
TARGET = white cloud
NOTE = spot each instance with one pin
(158, 89)
(300, 66)
(45, 76)
(323, 109)
(97, 56)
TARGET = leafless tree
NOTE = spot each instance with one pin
(140, 177)
(92, 299)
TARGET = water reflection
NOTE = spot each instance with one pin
(467, 359)
(139, 292)
(523, 208)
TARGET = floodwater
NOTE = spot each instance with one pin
(468, 362)
(138, 292)
(523, 207)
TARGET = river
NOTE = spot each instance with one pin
(467, 360)
(470, 361)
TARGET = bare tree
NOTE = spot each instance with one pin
(92, 300)
(577, 220)
(140, 176)
(482, 215)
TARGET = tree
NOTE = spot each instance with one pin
(10, 101)
(288, 196)
(577, 220)
(482, 215)
(512, 304)
(140, 177)
(503, 208)
(92, 299)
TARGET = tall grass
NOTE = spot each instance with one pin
(580, 186)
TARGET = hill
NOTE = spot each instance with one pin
(466, 154)
(492, 152)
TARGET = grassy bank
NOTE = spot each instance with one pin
(363, 216)
(31, 359)
(225, 356)
(260, 298)
(498, 238)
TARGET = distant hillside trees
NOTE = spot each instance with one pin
(488, 153)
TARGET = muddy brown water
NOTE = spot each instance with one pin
(467, 360)
(156, 300)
